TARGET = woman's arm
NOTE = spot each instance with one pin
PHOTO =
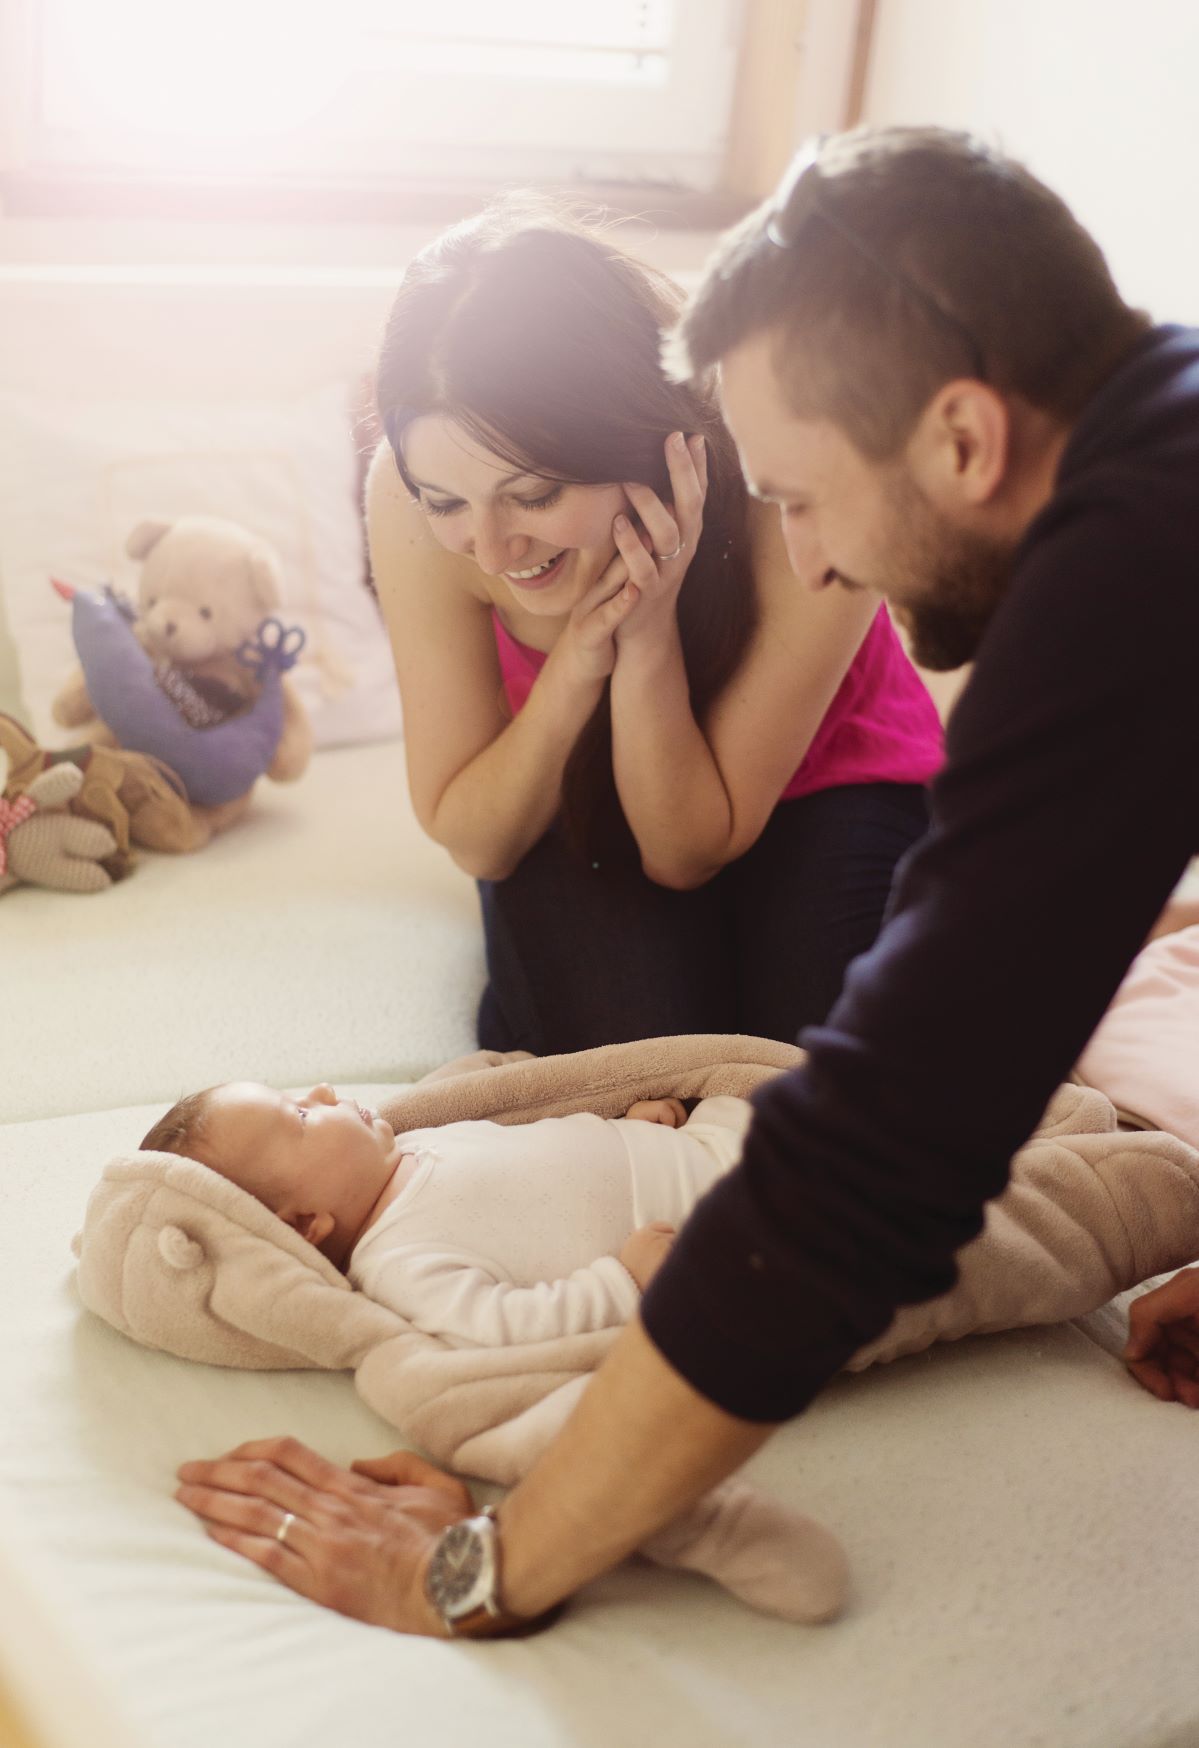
(484, 786)
(697, 798)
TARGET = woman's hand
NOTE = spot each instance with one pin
(1162, 1350)
(586, 650)
(639, 586)
(657, 564)
(357, 1540)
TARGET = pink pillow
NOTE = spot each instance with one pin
(1145, 1054)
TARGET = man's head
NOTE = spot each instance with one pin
(319, 1162)
(905, 336)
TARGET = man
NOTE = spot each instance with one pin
(926, 365)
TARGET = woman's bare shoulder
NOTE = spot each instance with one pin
(773, 576)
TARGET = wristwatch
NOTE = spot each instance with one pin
(463, 1579)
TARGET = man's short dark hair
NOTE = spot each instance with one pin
(955, 243)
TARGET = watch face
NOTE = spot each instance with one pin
(461, 1573)
(460, 1563)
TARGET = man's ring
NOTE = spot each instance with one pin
(663, 556)
(289, 1517)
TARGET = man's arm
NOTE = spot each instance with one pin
(641, 1447)
(1064, 817)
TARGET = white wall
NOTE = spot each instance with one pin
(206, 243)
(1100, 98)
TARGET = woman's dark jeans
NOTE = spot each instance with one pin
(579, 955)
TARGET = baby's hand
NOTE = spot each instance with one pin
(672, 1112)
(1162, 1351)
(645, 1252)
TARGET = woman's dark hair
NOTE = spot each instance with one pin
(542, 338)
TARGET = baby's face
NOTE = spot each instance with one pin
(313, 1158)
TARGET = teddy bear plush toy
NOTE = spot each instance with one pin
(196, 677)
(43, 845)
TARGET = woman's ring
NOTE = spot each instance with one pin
(289, 1517)
(663, 556)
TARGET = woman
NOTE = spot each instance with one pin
(681, 780)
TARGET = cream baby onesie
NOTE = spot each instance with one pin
(510, 1233)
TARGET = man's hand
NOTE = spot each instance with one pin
(671, 1112)
(1162, 1351)
(359, 1539)
(645, 1252)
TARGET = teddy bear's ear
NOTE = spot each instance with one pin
(146, 535)
(265, 580)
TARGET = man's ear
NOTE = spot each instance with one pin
(315, 1228)
(960, 449)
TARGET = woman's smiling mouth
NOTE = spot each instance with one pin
(537, 576)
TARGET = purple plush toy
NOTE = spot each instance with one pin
(196, 677)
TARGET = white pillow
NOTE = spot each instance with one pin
(75, 477)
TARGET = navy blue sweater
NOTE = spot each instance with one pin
(1066, 812)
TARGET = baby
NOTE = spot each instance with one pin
(489, 1235)
(479, 1232)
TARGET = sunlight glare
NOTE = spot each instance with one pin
(215, 73)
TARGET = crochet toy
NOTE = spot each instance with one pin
(195, 677)
(134, 797)
(43, 845)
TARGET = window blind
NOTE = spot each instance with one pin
(599, 90)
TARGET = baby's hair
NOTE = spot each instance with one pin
(183, 1128)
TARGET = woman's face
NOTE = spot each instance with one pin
(545, 542)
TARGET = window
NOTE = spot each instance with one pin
(382, 91)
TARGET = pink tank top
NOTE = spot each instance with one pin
(881, 727)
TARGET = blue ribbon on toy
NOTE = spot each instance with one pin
(274, 648)
(214, 764)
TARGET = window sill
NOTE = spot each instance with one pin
(71, 195)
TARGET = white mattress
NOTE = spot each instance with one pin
(1022, 1523)
(323, 937)
(1021, 1520)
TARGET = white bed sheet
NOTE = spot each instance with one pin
(1022, 1522)
(323, 937)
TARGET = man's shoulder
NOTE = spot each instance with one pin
(1121, 538)
(1134, 448)
(1101, 617)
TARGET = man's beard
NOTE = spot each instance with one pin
(942, 635)
(946, 583)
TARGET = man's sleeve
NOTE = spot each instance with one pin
(1066, 813)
